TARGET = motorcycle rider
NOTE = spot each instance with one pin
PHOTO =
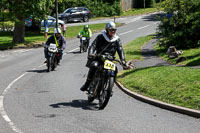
(85, 32)
(57, 39)
(106, 42)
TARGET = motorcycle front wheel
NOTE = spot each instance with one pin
(105, 92)
(54, 63)
(48, 64)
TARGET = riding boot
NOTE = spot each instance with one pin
(86, 85)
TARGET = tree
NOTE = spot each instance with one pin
(181, 26)
(21, 9)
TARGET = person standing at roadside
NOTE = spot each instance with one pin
(63, 29)
(46, 27)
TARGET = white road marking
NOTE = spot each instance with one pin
(143, 27)
(3, 55)
(72, 50)
(126, 32)
(2, 110)
(2, 96)
(133, 20)
(22, 50)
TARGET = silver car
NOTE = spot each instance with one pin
(52, 22)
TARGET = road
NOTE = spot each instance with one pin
(34, 101)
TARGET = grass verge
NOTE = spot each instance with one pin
(32, 38)
(170, 84)
(192, 56)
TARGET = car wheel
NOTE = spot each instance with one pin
(66, 20)
(85, 18)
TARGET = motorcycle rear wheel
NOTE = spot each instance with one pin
(105, 92)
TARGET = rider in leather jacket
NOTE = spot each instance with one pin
(107, 42)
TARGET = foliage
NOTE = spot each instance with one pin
(6, 26)
(181, 26)
(99, 8)
(148, 3)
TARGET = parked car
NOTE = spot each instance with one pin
(52, 22)
(28, 21)
(75, 14)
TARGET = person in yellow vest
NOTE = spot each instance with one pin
(87, 33)
(57, 39)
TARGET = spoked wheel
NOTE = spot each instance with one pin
(93, 90)
(85, 48)
(90, 99)
(81, 49)
(105, 92)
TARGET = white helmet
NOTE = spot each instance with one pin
(111, 26)
(57, 30)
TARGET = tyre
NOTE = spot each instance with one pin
(90, 99)
(93, 90)
(66, 20)
(48, 64)
(105, 92)
(84, 48)
(80, 49)
(85, 18)
(54, 63)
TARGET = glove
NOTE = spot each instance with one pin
(45, 46)
(128, 65)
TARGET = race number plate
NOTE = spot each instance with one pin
(52, 46)
(109, 65)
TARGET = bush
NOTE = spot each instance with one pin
(99, 8)
(6, 26)
(181, 26)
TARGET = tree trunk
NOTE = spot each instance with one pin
(19, 33)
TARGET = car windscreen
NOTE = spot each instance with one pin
(67, 11)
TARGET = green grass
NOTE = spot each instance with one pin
(32, 38)
(139, 11)
(132, 49)
(174, 85)
(192, 56)
(170, 84)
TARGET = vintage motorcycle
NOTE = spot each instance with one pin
(83, 45)
(103, 81)
(53, 57)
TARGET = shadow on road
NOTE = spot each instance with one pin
(38, 71)
(76, 52)
(76, 104)
(154, 17)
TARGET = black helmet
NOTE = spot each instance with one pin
(111, 26)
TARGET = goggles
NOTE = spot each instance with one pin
(112, 30)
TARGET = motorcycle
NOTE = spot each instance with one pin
(53, 57)
(103, 81)
(83, 45)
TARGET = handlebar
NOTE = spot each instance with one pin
(128, 65)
